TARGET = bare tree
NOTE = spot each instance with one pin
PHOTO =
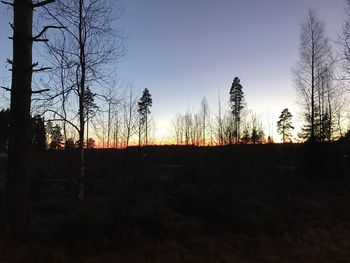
(91, 44)
(315, 59)
(219, 124)
(129, 110)
(205, 114)
(178, 125)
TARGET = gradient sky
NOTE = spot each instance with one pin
(184, 50)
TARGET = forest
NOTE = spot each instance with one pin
(84, 177)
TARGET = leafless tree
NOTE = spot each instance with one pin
(219, 131)
(205, 115)
(315, 60)
(91, 44)
(178, 125)
(130, 115)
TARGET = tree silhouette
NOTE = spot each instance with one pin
(236, 99)
(4, 129)
(69, 144)
(56, 138)
(90, 44)
(18, 180)
(90, 143)
(144, 110)
(38, 134)
(313, 69)
(284, 125)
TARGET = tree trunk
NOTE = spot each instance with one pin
(18, 180)
(81, 184)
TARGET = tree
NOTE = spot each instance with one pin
(56, 138)
(144, 110)
(284, 125)
(236, 99)
(18, 180)
(38, 134)
(90, 143)
(205, 114)
(91, 43)
(90, 108)
(129, 114)
(315, 60)
(4, 129)
(69, 144)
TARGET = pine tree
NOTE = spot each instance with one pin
(284, 125)
(236, 99)
(144, 110)
(56, 138)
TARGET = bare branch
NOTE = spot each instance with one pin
(5, 88)
(7, 3)
(40, 91)
(36, 38)
(41, 69)
(40, 40)
(43, 3)
(62, 118)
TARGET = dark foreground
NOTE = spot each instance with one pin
(246, 203)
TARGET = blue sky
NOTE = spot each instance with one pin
(184, 50)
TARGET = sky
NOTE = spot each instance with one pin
(184, 50)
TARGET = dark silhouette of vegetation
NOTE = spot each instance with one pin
(144, 104)
(4, 129)
(284, 126)
(18, 180)
(236, 100)
(39, 142)
(313, 75)
(56, 138)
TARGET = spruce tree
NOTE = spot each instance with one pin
(236, 99)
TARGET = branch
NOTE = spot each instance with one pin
(36, 38)
(62, 118)
(5, 88)
(7, 3)
(42, 3)
(40, 40)
(39, 91)
(41, 69)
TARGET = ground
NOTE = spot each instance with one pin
(244, 203)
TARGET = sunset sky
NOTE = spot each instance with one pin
(184, 50)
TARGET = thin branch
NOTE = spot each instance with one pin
(40, 91)
(62, 118)
(5, 88)
(7, 3)
(40, 40)
(35, 38)
(41, 69)
(42, 3)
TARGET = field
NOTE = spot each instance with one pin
(244, 203)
